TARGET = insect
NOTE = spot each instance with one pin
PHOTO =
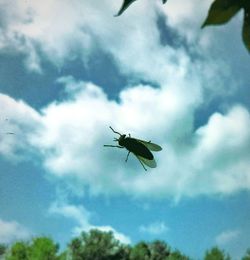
(141, 149)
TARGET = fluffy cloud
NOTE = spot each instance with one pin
(181, 16)
(21, 120)
(213, 159)
(222, 151)
(155, 228)
(64, 30)
(69, 135)
(72, 148)
(82, 217)
(11, 231)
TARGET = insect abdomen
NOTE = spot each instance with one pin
(137, 148)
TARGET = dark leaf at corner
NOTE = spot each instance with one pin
(125, 5)
(246, 28)
(221, 11)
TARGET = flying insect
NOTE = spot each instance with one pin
(140, 148)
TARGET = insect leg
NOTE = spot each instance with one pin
(107, 145)
(142, 164)
(127, 156)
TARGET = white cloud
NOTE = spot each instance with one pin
(11, 231)
(22, 120)
(180, 15)
(227, 236)
(64, 30)
(69, 135)
(82, 217)
(222, 152)
(155, 228)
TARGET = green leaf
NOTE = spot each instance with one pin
(125, 5)
(164, 1)
(246, 28)
(221, 11)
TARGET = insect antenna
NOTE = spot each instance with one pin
(114, 131)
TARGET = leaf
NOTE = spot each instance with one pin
(125, 5)
(164, 1)
(221, 11)
(246, 28)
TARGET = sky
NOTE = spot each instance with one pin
(70, 69)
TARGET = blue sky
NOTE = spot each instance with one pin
(69, 70)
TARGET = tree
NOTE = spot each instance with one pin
(97, 245)
(140, 251)
(247, 256)
(177, 255)
(216, 253)
(43, 248)
(76, 248)
(18, 251)
(220, 12)
(3, 249)
(159, 250)
(40, 248)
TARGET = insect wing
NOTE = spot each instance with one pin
(151, 146)
(149, 163)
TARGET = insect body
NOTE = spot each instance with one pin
(141, 149)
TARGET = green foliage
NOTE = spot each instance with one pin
(127, 3)
(40, 248)
(159, 250)
(220, 12)
(177, 255)
(97, 245)
(246, 26)
(156, 250)
(3, 249)
(140, 251)
(247, 256)
(18, 251)
(63, 256)
(76, 248)
(43, 248)
(216, 253)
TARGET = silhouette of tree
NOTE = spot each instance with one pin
(18, 251)
(3, 249)
(159, 250)
(40, 248)
(43, 248)
(177, 255)
(97, 245)
(247, 256)
(216, 253)
(140, 251)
